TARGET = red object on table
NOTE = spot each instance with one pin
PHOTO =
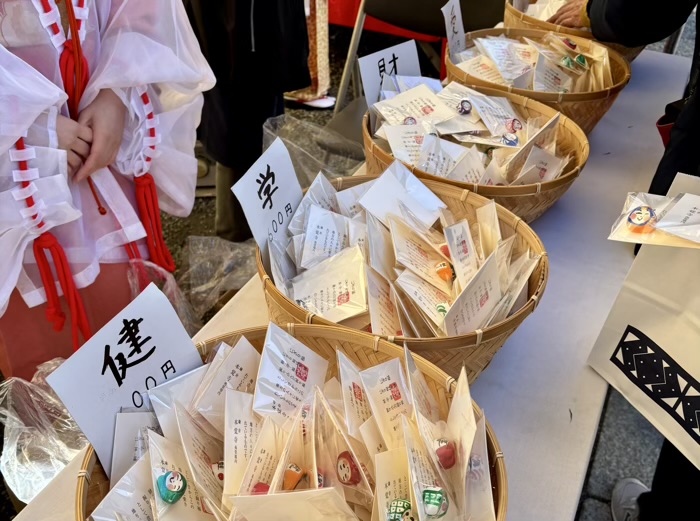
(344, 12)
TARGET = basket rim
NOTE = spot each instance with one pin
(548, 26)
(545, 97)
(90, 459)
(508, 190)
(475, 338)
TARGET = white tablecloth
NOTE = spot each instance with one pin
(542, 400)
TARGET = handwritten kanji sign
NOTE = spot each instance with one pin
(269, 193)
(400, 60)
(454, 26)
(140, 348)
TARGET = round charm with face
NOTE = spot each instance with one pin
(641, 220)
(435, 502)
(464, 107)
(514, 125)
(510, 139)
(446, 452)
(171, 487)
(347, 469)
(444, 271)
(260, 489)
(292, 476)
(399, 510)
(409, 120)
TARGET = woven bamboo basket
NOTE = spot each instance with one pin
(473, 351)
(365, 351)
(514, 19)
(528, 201)
(585, 108)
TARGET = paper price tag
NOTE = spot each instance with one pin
(400, 59)
(454, 26)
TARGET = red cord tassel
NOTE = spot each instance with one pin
(147, 202)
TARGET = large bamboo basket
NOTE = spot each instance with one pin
(365, 351)
(585, 108)
(528, 201)
(514, 19)
(473, 351)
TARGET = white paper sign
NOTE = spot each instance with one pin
(144, 345)
(125, 502)
(400, 59)
(454, 26)
(269, 193)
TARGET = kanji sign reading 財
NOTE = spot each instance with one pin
(269, 193)
(400, 60)
(140, 348)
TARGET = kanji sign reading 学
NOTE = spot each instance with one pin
(269, 193)
(142, 347)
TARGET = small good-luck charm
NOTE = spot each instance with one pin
(446, 453)
(399, 510)
(581, 60)
(348, 471)
(567, 62)
(320, 480)
(510, 139)
(569, 43)
(444, 271)
(514, 125)
(218, 469)
(171, 487)
(435, 502)
(464, 107)
(260, 489)
(641, 220)
(410, 120)
(292, 476)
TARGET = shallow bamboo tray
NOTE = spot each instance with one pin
(365, 351)
(515, 19)
(585, 108)
(475, 350)
(528, 201)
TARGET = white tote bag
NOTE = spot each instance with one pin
(649, 348)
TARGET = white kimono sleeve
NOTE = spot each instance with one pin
(150, 57)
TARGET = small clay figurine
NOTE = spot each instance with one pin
(444, 271)
(464, 107)
(347, 469)
(435, 502)
(399, 510)
(171, 487)
(446, 453)
(260, 489)
(641, 220)
(292, 476)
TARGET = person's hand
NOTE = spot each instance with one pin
(571, 14)
(75, 139)
(105, 117)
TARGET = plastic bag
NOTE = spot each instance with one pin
(142, 272)
(215, 268)
(40, 438)
(314, 148)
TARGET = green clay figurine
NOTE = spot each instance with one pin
(435, 502)
(171, 487)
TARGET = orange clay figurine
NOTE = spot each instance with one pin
(444, 271)
(641, 220)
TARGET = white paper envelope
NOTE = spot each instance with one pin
(413, 106)
(523, 159)
(238, 372)
(163, 399)
(307, 505)
(167, 456)
(421, 396)
(470, 168)
(462, 251)
(348, 199)
(430, 300)
(335, 288)
(201, 451)
(326, 234)
(389, 399)
(126, 495)
(355, 402)
(393, 480)
(474, 305)
(405, 141)
(383, 315)
(240, 436)
(489, 228)
(288, 373)
(438, 156)
(479, 497)
(381, 249)
(483, 68)
(130, 441)
(321, 193)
